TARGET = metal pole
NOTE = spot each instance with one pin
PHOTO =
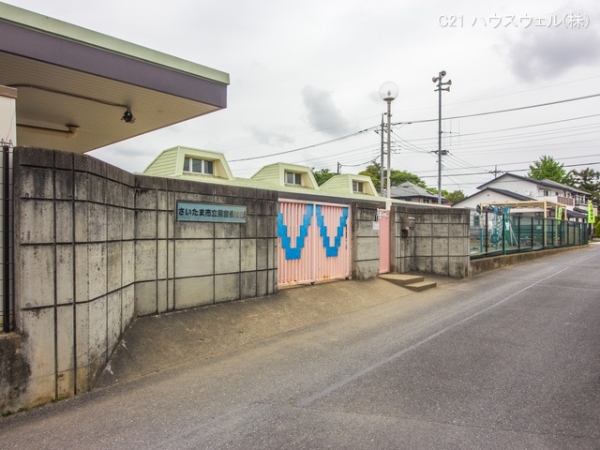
(389, 152)
(6, 241)
(440, 140)
(382, 165)
(439, 89)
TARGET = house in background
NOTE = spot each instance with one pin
(410, 192)
(192, 164)
(212, 167)
(491, 195)
(350, 184)
(529, 196)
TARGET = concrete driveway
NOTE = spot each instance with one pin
(508, 359)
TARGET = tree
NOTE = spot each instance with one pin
(546, 168)
(453, 197)
(588, 180)
(322, 175)
(397, 177)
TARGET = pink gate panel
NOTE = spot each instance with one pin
(314, 242)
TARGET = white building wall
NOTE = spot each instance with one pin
(516, 185)
(484, 196)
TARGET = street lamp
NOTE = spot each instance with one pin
(388, 92)
(439, 89)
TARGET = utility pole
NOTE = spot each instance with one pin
(381, 160)
(339, 168)
(495, 172)
(439, 89)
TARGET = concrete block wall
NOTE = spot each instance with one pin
(96, 246)
(365, 240)
(182, 265)
(74, 266)
(438, 243)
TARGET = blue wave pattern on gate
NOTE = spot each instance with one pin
(292, 253)
(331, 251)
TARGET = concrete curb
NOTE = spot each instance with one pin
(496, 262)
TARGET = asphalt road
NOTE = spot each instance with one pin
(506, 360)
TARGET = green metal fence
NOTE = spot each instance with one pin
(498, 233)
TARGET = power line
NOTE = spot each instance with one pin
(418, 121)
(304, 148)
(500, 111)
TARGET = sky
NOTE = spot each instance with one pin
(305, 81)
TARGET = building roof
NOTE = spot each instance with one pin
(274, 174)
(504, 192)
(408, 189)
(543, 183)
(343, 184)
(75, 85)
(170, 163)
(510, 194)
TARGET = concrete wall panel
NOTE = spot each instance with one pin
(194, 258)
(248, 255)
(145, 298)
(145, 260)
(227, 256)
(65, 350)
(97, 260)
(114, 317)
(36, 222)
(64, 274)
(39, 350)
(191, 292)
(227, 287)
(145, 225)
(97, 226)
(34, 279)
(114, 218)
(115, 265)
(64, 222)
(82, 284)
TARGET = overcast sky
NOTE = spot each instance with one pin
(306, 73)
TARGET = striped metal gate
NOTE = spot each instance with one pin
(314, 242)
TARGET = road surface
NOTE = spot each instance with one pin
(506, 360)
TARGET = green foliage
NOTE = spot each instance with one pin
(373, 172)
(546, 168)
(452, 197)
(588, 180)
(397, 177)
(322, 175)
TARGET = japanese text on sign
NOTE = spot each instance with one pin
(210, 212)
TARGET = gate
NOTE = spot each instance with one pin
(383, 217)
(314, 242)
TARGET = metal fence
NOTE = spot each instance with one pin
(497, 233)
(6, 228)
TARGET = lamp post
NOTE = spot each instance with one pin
(439, 89)
(388, 92)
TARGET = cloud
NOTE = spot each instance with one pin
(269, 137)
(545, 54)
(322, 113)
